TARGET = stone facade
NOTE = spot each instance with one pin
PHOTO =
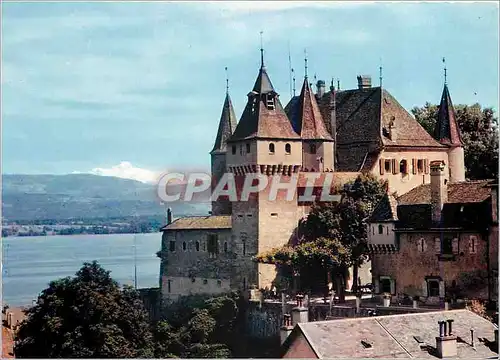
(347, 132)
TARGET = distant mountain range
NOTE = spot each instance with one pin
(83, 196)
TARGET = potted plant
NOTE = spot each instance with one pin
(386, 299)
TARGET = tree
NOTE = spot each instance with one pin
(334, 235)
(479, 130)
(86, 316)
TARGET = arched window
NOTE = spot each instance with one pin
(197, 246)
(288, 148)
(312, 148)
(380, 229)
(271, 148)
(225, 247)
(403, 167)
(184, 246)
(244, 247)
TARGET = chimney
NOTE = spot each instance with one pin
(287, 328)
(439, 189)
(169, 216)
(446, 342)
(364, 81)
(300, 314)
(320, 88)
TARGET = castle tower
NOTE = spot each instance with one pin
(227, 125)
(263, 144)
(318, 144)
(447, 133)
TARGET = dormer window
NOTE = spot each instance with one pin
(270, 101)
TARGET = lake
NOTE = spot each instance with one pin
(30, 263)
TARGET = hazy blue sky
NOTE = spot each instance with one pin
(92, 85)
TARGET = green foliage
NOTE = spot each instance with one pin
(201, 327)
(479, 130)
(86, 316)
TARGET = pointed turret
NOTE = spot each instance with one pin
(446, 130)
(447, 133)
(263, 116)
(310, 122)
(227, 125)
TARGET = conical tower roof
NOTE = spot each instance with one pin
(447, 131)
(227, 125)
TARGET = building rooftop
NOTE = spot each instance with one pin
(397, 336)
(199, 223)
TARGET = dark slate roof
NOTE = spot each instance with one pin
(227, 124)
(393, 336)
(447, 131)
(363, 118)
(386, 209)
(199, 223)
(460, 193)
(305, 116)
(257, 121)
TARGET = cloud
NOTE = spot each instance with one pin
(126, 170)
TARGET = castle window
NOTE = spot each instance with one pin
(447, 245)
(197, 245)
(421, 245)
(169, 285)
(274, 214)
(244, 247)
(472, 244)
(380, 229)
(241, 149)
(172, 246)
(205, 282)
(312, 148)
(248, 148)
(387, 165)
(219, 283)
(184, 246)
(212, 244)
(420, 166)
(271, 148)
(225, 247)
(233, 149)
(288, 148)
(385, 284)
(403, 167)
(433, 287)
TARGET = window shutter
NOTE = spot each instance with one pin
(472, 245)
(393, 287)
(414, 166)
(426, 166)
(382, 167)
(454, 245)
(437, 245)
(395, 167)
(376, 286)
(424, 288)
(441, 289)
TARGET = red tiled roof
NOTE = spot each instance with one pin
(458, 193)
(258, 121)
(368, 120)
(306, 117)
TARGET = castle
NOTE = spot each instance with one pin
(339, 132)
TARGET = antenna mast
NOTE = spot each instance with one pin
(290, 70)
(444, 62)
